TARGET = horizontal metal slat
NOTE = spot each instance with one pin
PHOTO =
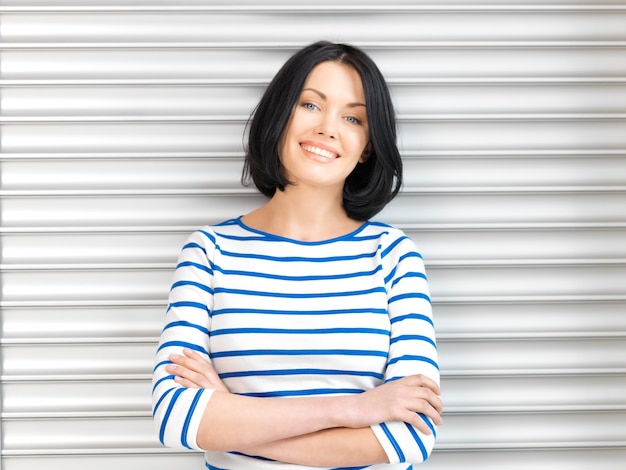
(93, 398)
(174, 209)
(533, 393)
(155, 459)
(22, 400)
(288, 6)
(527, 319)
(524, 319)
(549, 430)
(239, 99)
(489, 135)
(211, 174)
(532, 356)
(426, 63)
(457, 358)
(491, 431)
(606, 457)
(276, 26)
(74, 323)
(439, 247)
(465, 281)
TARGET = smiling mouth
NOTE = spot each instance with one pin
(320, 152)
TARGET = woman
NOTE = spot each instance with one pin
(300, 335)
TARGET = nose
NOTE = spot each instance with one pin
(326, 128)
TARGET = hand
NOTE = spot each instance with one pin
(193, 371)
(400, 400)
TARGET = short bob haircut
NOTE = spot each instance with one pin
(373, 183)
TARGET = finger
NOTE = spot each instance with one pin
(429, 404)
(186, 383)
(190, 377)
(190, 360)
(426, 382)
(419, 421)
(432, 412)
(198, 370)
(195, 364)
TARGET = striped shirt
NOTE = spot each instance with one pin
(282, 318)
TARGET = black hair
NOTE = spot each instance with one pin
(373, 183)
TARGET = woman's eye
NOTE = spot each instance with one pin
(353, 120)
(310, 106)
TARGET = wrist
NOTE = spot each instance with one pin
(348, 413)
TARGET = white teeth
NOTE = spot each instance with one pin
(319, 151)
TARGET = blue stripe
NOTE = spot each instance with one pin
(299, 393)
(183, 344)
(282, 277)
(393, 442)
(291, 259)
(186, 324)
(272, 239)
(168, 412)
(413, 316)
(224, 290)
(350, 468)
(224, 311)
(208, 235)
(410, 254)
(204, 287)
(410, 295)
(162, 379)
(395, 243)
(429, 424)
(158, 403)
(414, 358)
(418, 441)
(187, 304)
(194, 245)
(192, 408)
(306, 371)
(395, 268)
(213, 467)
(162, 363)
(409, 275)
(413, 337)
(276, 238)
(314, 331)
(257, 457)
(187, 264)
(299, 352)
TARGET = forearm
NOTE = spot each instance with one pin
(337, 447)
(234, 422)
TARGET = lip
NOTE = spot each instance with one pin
(319, 146)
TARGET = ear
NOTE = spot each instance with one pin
(367, 151)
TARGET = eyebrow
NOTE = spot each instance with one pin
(323, 96)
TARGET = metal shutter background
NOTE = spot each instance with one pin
(121, 132)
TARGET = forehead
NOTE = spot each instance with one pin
(337, 79)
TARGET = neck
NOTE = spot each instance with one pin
(303, 214)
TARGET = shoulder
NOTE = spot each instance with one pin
(392, 239)
(211, 236)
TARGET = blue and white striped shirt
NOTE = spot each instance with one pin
(281, 317)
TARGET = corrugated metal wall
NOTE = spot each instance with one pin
(121, 132)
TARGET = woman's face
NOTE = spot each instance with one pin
(328, 129)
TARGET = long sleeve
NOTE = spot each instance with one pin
(413, 348)
(177, 411)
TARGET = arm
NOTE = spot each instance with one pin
(288, 429)
(210, 418)
(412, 348)
(337, 447)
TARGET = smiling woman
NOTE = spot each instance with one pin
(328, 127)
(302, 332)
